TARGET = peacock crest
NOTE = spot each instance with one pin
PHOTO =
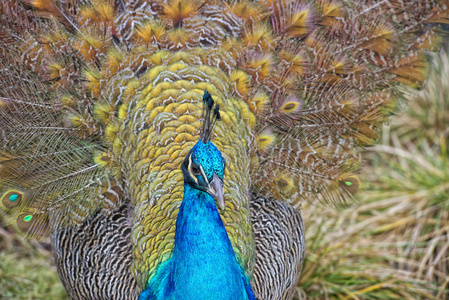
(101, 101)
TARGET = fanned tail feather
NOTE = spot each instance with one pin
(42, 160)
(339, 82)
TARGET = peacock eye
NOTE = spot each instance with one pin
(195, 170)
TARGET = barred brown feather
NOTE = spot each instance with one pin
(94, 260)
(279, 236)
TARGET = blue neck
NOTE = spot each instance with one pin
(209, 266)
(203, 265)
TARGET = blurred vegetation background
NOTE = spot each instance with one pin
(392, 244)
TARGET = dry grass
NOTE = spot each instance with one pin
(392, 244)
(27, 270)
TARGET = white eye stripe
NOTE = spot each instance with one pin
(203, 174)
(189, 168)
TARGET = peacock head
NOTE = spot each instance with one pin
(203, 170)
(204, 166)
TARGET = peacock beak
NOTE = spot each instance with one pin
(215, 189)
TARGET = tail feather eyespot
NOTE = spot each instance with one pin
(350, 184)
(32, 224)
(11, 199)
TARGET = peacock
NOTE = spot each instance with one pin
(166, 146)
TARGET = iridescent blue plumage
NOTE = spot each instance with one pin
(203, 264)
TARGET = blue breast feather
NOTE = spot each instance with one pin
(203, 264)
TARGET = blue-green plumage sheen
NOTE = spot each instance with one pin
(203, 264)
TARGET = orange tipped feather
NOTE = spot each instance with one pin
(178, 10)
